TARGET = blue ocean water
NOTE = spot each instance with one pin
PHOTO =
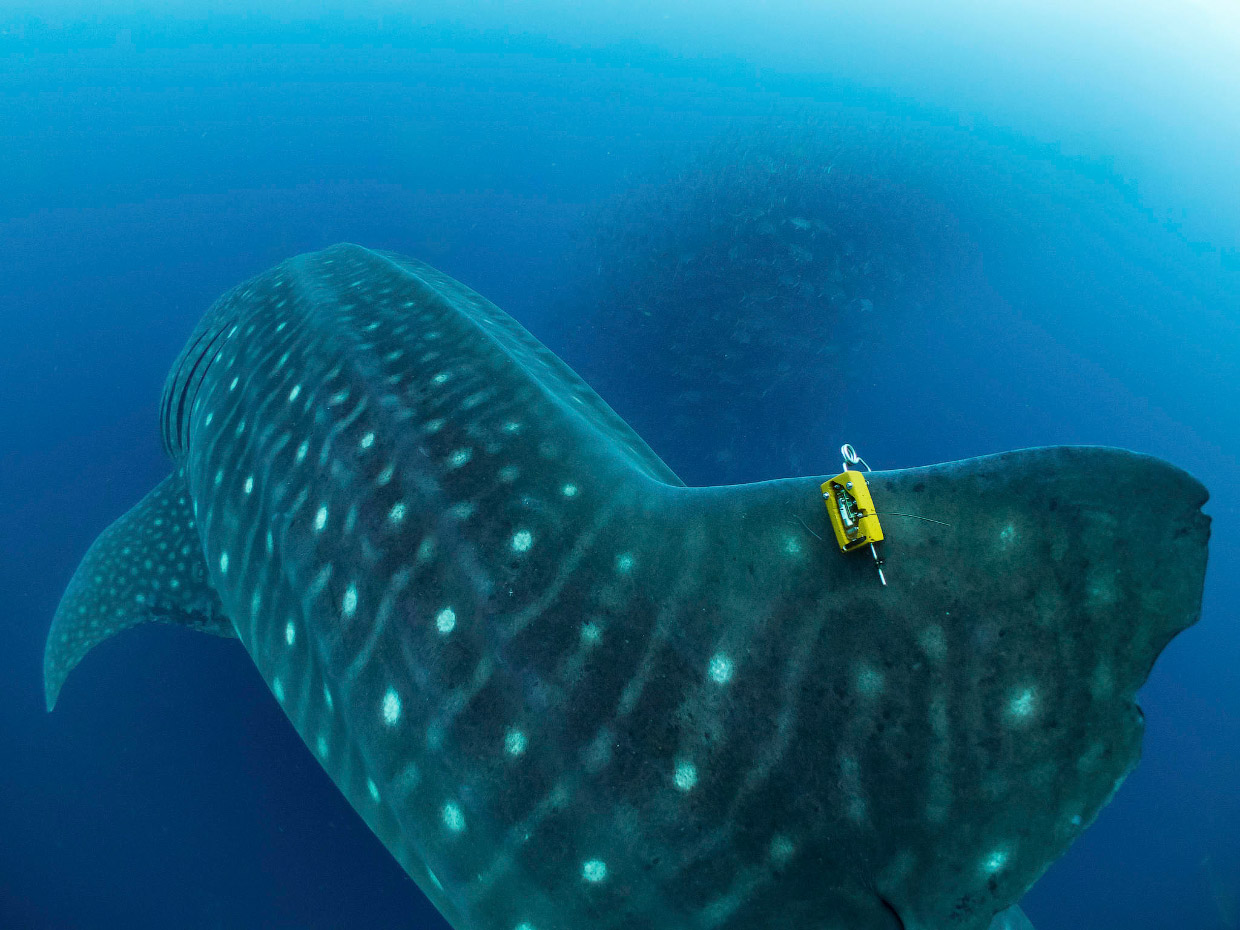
(1056, 196)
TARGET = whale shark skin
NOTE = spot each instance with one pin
(566, 691)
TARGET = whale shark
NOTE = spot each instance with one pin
(566, 691)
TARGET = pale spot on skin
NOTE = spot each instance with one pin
(932, 642)
(594, 871)
(460, 457)
(249, 485)
(850, 768)
(290, 633)
(598, 754)
(348, 603)
(223, 563)
(869, 681)
(397, 513)
(781, 849)
(624, 563)
(720, 669)
(321, 746)
(426, 549)
(373, 789)
(685, 775)
(391, 707)
(514, 742)
(445, 620)
(367, 441)
(569, 490)
(591, 634)
(302, 450)
(1102, 681)
(434, 737)
(293, 394)
(522, 540)
(453, 819)
(1007, 536)
(1101, 592)
(320, 519)
(996, 861)
(277, 688)
(1023, 705)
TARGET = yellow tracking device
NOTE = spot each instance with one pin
(851, 509)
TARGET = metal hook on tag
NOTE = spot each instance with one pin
(852, 458)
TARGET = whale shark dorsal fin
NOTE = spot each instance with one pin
(146, 567)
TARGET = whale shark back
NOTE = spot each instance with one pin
(566, 691)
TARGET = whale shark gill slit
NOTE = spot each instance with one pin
(180, 392)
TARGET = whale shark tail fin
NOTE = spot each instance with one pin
(145, 567)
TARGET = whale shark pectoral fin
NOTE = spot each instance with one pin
(146, 567)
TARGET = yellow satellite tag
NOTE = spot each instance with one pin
(851, 510)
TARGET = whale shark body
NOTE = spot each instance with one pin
(568, 692)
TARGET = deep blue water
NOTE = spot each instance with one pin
(1083, 289)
